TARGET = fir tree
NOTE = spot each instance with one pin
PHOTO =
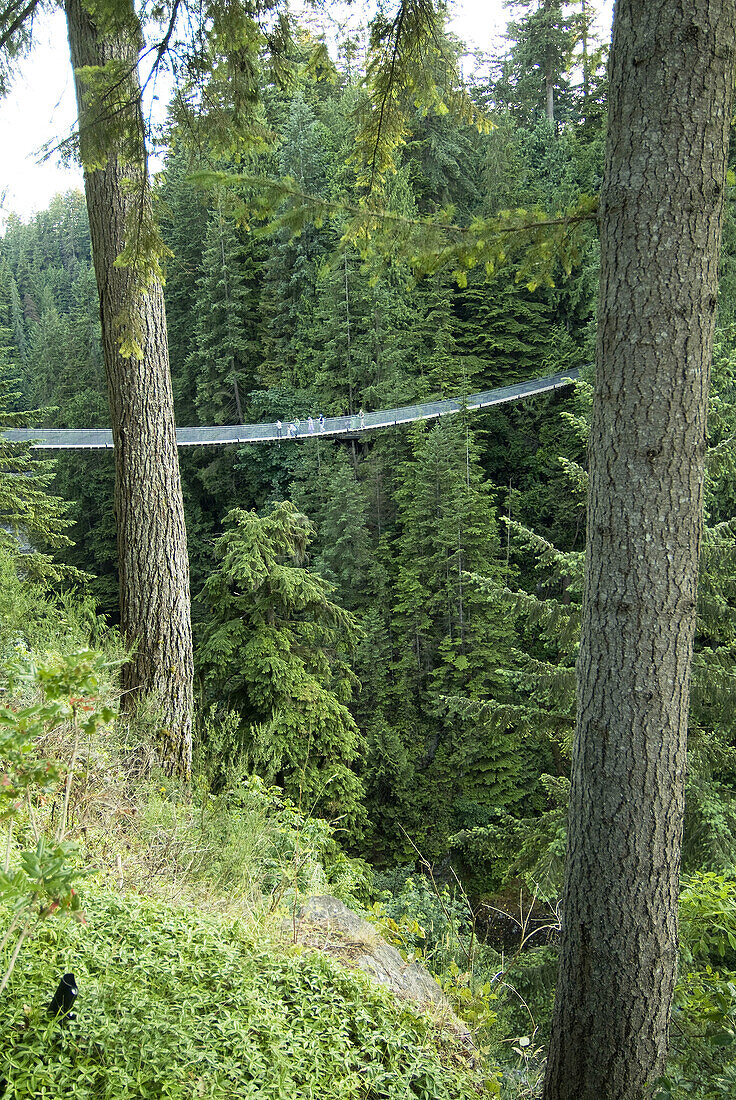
(345, 556)
(31, 519)
(223, 364)
(536, 79)
(11, 313)
(184, 216)
(275, 651)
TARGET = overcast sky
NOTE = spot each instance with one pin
(41, 105)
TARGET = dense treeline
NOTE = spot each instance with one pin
(402, 657)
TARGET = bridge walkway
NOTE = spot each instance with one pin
(101, 438)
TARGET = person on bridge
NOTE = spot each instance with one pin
(321, 422)
(297, 423)
(278, 429)
(310, 424)
(361, 414)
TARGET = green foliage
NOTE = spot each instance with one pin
(703, 1053)
(290, 294)
(541, 55)
(428, 922)
(510, 848)
(247, 841)
(27, 510)
(496, 994)
(708, 919)
(434, 925)
(225, 356)
(68, 685)
(539, 242)
(183, 1003)
(38, 881)
(276, 651)
(407, 65)
(33, 614)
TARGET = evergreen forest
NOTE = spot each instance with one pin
(385, 624)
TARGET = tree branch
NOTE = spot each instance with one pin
(19, 20)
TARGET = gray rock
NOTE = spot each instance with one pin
(328, 925)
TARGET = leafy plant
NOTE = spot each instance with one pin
(248, 841)
(174, 1005)
(703, 1051)
(39, 882)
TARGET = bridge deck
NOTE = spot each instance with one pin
(101, 438)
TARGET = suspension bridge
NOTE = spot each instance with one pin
(292, 431)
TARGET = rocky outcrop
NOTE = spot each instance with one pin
(328, 925)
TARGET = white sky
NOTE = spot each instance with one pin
(41, 107)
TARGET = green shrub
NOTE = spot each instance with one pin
(174, 1006)
(35, 618)
(708, 920)
(37, 881)
(250, 840)
(703, 1032)
(434, 923)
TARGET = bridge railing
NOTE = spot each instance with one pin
(101, 438)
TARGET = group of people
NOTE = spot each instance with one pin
(294, 426)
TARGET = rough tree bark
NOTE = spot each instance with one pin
(671, 81)
(152, 549)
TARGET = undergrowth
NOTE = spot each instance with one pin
(184, 992)
(174, 1005)
(186, 988)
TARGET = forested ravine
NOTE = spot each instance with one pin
(386, 626)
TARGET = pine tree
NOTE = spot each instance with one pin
(223, 365)
(31, 519)
(153, 565)
(445, 367)
(276, 652)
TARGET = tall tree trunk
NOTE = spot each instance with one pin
(549, 63)
(152, 550)
(549, 86)
(671, 78)
(584, 31)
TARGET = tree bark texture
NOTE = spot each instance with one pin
(671, 81)
(152, 548)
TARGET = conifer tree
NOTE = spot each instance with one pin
(31, 519)
(345, 555)
(276, 652)
(447, 529)
(184, 213)
(11, 313)
(444, 641)
(153, 566)
(445, 367)
(223, 364)
(543, 41)
(659, 278)
(293, 262)
(507, 327)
